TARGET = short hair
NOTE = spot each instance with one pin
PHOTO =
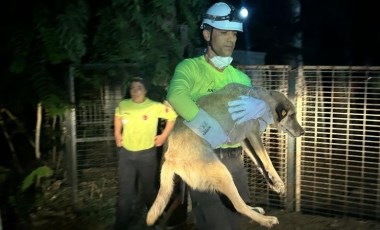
(207, 27)
(142, 80)
(138, 79)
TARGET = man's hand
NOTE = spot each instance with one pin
(208, 128)
(247, 108)
(119, 142)
(159, 140)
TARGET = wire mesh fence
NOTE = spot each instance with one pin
(334, 169)
(339, 172)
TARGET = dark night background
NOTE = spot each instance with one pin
(334, 32)
(331, 32)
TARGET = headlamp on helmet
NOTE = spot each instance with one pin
(225, 17)
(234, 16)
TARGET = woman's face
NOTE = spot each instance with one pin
(137, 90)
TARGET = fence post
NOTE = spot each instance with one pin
(291, 155)
(70, 126)
(1, 222)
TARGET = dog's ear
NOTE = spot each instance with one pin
(281, 111)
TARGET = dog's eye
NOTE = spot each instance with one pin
(283, 113)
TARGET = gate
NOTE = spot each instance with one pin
(339, 159)
(334, 169)
(95, 91)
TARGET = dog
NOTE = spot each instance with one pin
(192, 158)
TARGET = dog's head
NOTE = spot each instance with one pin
(285, 115)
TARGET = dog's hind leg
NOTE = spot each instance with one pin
(222, 181)
(164, 194)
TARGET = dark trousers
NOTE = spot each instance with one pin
(138, 178)
(213, 211)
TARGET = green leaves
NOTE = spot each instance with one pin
(145, 32)
(60, 33)
(71, 30)
(35, 176)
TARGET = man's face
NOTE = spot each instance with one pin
(223, 41)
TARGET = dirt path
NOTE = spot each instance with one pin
(288, 221)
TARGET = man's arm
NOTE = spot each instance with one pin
(201, 123)
(118, 128)
(179, 91)
(160, 139)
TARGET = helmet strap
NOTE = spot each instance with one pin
(209, 43)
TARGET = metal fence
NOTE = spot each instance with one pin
(95, 91)
(339, 167)
(334, 169)
(276, 143)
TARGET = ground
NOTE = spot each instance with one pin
(288, 221)
(95, 211)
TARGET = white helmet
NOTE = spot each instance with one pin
(224, 17)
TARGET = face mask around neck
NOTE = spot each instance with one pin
(221, 62)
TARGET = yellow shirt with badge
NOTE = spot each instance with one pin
(140, 121)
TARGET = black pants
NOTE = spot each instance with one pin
(213, 211)
(137, 176)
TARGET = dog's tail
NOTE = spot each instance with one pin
(164, 194)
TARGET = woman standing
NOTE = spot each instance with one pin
(136, 121)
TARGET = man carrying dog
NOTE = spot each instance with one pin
(199, 76)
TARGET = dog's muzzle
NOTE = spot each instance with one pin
(228, 152)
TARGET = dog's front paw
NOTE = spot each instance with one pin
(151, 218)
(279, 187)
(269, 221)
(257, 209)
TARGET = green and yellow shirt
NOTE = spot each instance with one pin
(194, 78)
(140, 122)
